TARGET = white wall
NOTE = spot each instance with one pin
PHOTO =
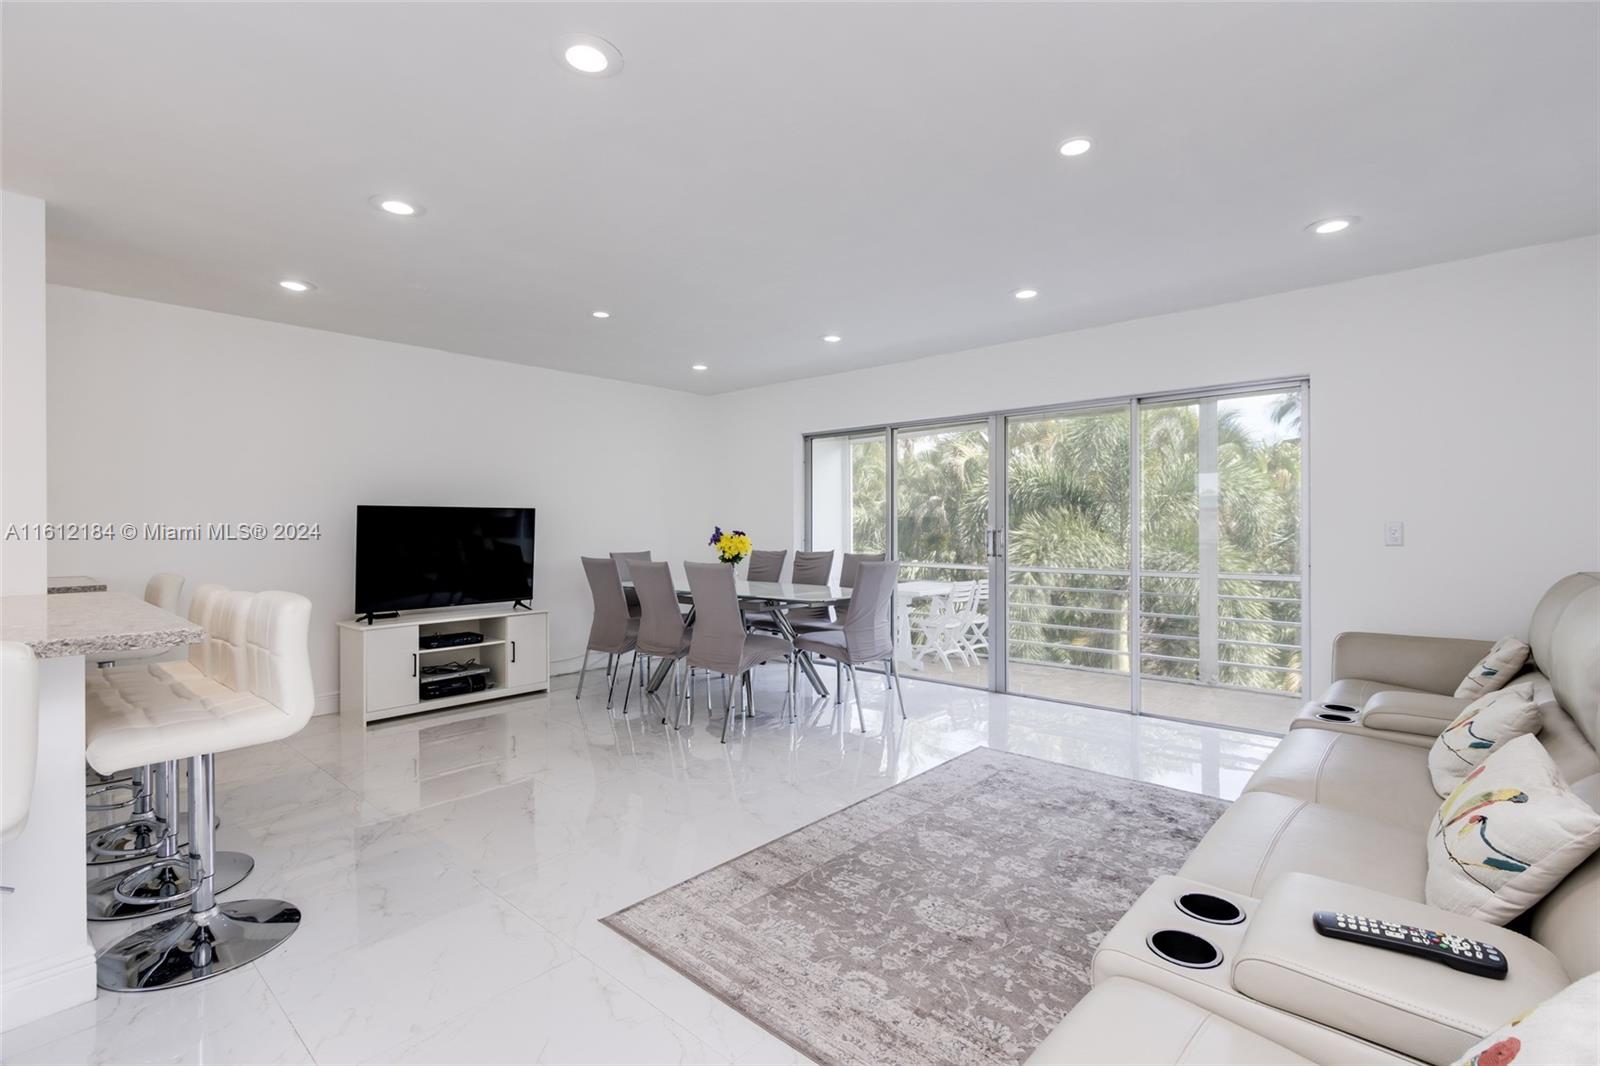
(1460, 399)
(22, 391)
(169, 414)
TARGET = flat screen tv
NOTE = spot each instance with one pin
(412, 558)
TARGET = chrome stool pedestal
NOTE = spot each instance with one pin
(212, 938)
(164, 884)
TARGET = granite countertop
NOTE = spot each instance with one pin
(91, 622)
(74, 583)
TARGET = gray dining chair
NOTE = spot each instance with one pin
(721, 645)
(811, 568)
(852, 563)
(864, 634)
(766, 565)
(613, 630)
(622, 560)
(662, 631)
(847, 579)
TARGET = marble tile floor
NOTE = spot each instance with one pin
(451, 870)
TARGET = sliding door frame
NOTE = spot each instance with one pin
(998, 422)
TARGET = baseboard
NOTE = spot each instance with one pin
(43, 988)
(326, 703)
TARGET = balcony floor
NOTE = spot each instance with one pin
(1231, 707)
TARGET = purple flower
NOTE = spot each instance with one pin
(716, 535)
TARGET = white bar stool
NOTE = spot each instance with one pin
(273, 701)
(220, 660)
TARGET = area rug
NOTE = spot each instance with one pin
(949, 919)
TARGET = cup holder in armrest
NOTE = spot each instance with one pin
(1335, 716)
(1184, 949)
(1339, 708)
(1209, 908)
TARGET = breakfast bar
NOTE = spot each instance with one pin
(48, 962)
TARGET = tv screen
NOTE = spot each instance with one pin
(410, 558)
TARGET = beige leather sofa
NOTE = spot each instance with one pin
(1336, 819)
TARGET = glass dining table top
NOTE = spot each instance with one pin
(781, 592)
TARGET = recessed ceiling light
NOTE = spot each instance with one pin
(1076, 146)
(590, 55)
(1025, 294)
(699, 366)
(600, 314)
(403, 208)
(1329, 226)
(832, 338)
(296, 286)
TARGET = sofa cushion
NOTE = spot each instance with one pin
(1122, 1021)
(1507, 835)
(1487, 723)
(1495, 669)
(1264, 835)
(1558, 1032)
(1376, 778)
(1565, 635)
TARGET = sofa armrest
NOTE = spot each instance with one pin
(1412, 1005)
(1418, 713)
(1428, 664)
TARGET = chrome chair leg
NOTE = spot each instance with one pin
(611, 691)
(855, 685)
(899, 686)
(838, 682)
(627, 689)
(727, 707)
(581, 671)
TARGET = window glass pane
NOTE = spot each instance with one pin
(941, 489)
(1067, 482)
(848, 503)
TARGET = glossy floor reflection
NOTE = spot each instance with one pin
(451, 870)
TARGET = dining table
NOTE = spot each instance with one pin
(773, 597)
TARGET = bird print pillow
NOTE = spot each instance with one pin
(1495, 669)
(1558, 1032)
(1482, 726)
(1507, 835)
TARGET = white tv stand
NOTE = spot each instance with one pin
(381, 663)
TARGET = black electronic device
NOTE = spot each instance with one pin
(1456, 952)
(448, 640)
(454, 685)
(412, 558)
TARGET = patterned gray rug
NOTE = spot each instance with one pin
(950, 919)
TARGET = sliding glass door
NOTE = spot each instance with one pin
(1143, 554)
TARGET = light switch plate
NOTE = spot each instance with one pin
(1394, 534)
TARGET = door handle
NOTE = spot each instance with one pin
(413, 664)
(513, 651)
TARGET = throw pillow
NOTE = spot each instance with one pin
(1494, 669)
(1558, 1032)
(1482, 726)
(1507, 835)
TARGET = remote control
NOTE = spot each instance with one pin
(1457, 952)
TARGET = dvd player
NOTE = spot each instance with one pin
(449, 640)
(456, 685)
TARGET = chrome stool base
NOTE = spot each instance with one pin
(165, 888)
(136, 838)
(193, 947)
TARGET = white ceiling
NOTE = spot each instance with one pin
(759, 175)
